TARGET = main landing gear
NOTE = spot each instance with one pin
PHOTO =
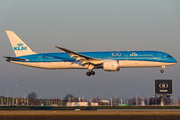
(90, 73)
(90, 67)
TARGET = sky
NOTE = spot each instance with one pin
(89, 25)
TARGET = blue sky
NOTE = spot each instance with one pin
(89, 25)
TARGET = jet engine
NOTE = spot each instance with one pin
(111, 65)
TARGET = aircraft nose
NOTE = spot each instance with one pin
(174, 60)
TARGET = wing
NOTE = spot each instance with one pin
(84, 59)
(13, 58)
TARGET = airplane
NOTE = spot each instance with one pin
(106, 60)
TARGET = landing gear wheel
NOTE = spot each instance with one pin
(162, 71)
(88, 73)
(92, 73)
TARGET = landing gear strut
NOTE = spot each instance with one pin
(90, 67)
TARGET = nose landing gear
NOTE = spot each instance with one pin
(162, 69)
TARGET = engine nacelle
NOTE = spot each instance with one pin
(111, 65)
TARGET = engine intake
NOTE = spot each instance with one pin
(111, 65)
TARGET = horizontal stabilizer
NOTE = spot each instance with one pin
(13, 58)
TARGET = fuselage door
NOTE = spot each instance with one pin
(159, 56)
(126, 57)
(39, 59)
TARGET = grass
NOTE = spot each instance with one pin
(82, 113)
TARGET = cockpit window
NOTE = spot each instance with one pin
(169, 56)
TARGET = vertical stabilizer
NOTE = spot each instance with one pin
(20, 48)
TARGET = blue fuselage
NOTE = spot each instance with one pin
(154, 56)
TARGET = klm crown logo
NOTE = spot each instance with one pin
(20, 47)
(20, 44)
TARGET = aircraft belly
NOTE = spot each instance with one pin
(62, 65)
(51, 65)
(76, 65)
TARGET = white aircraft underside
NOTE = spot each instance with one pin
(75, 65)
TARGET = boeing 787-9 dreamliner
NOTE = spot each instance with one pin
(106, 60)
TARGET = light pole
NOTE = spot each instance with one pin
(116, 96)
(7, 97)
(49, 97)
(61, 98)
(54, 98)
(41, 97)
(20, 91)
(136, 98)
(16, 96)
(25, 97)
(82, 97)
(68, 94)
(91, 95)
